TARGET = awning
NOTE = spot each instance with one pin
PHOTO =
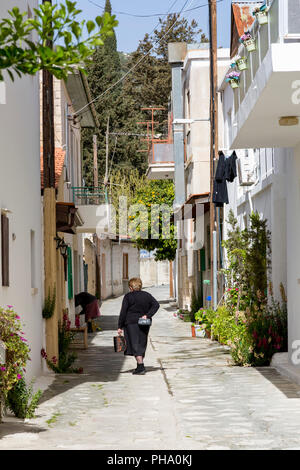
(67, 218)
(189, 209)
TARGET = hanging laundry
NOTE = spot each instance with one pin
(220, 194)
(230, 167)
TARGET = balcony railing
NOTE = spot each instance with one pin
(161, 152)
(86, 196)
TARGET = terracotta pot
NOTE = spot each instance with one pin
(208, 334)
(193, 331)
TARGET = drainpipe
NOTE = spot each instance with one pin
(215, 271)
(111, 268)
(176, 55)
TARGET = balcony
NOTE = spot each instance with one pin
(93, 208)
(270, 89)
(161, 161)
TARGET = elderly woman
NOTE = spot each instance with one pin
(136, 304)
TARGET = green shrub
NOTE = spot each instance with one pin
(22, 401)
(63, 364)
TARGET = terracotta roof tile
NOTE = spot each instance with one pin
(59, 165)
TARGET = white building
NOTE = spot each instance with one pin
(262, 116)
(21, 251)
(190, 108)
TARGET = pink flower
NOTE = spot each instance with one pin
(10, 306)
(17, 317)
(3, 368)
(19, 376)
(54, 360)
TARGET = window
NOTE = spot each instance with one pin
(5, 250)
(125, 266)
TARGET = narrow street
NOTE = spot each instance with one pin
(190, 397)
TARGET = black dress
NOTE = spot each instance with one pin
(136, 304)
(220, 194)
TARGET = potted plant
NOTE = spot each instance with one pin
(234, 79)
(241, 63)
(261, 14)
(248, 41)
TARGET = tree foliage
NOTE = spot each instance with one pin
(144, 197)
(148, 85)
(26, 43)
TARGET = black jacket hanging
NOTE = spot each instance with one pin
(220, 194)
(230, 167)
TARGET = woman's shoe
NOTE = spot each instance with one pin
(140, 370)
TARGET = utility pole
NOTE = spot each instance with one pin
(49, 202)
(96, 183)
(106, 153)
(213, 141)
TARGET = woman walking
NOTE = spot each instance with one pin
(136, 304)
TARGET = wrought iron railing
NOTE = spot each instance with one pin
(83, 196)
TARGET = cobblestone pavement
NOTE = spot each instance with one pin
(190, 398)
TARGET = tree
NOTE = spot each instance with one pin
(143, 199)
(105, 70)
(150, 83)
(57, 24)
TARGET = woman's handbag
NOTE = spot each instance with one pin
(119, 343)
(145, 321)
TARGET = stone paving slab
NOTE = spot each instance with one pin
(190, 398)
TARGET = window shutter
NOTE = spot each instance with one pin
(5, 249)
(70, 274)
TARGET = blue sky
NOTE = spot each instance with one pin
(131, 30)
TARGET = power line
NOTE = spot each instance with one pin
(144, 16)
(139, 61)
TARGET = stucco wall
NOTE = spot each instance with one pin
(154, 273)
(20, 192)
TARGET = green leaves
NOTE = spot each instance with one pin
(60, 43)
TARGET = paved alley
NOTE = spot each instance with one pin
(190, 398)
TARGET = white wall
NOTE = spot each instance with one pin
(154, 273)
(112, 276)
(20, 192)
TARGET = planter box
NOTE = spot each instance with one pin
(250, 45)
(262, 17)
(234, 84)
(242, 64)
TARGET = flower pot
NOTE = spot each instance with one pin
(250, 45)
(262, 17)
(242, 64)
(234, 84)
(193, 331)
(208, 334)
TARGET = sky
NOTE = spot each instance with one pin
(131, 30)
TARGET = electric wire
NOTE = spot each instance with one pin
(143, 16)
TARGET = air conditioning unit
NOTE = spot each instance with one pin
(246, 167)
